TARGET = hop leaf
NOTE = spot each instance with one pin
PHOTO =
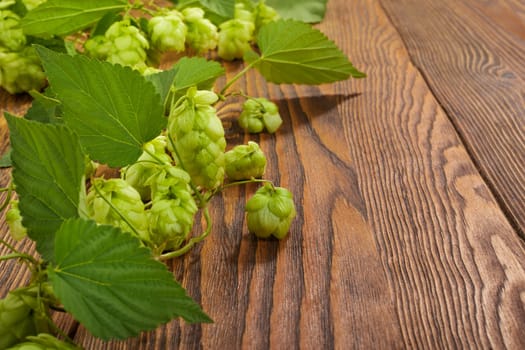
(245, 162)
(270, 212)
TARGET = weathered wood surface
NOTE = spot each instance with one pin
(400, 241)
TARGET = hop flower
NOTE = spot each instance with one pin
(43, 341)
(245, 162)
(168, 31)
(270, 212)
(198, 137)
(202, 34)
(21, 71)
(234, 38)
(12, 38)
(14, 220)
(115, 202)
(98, 47)
(258, 114)
(149, 163)
(264, 14)
(128, 45)
(17, 318)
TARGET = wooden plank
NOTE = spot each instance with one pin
(471, 54)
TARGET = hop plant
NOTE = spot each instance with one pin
(270, 212)
(31, 4)
(202, 34)
(128, 45)
(43, 341)
(259, 114)
(115, 202)
(245, 162)
(14, 221)
(12, 38)
(18, 318)
(168, 31)
(198, 138)
(98, 47)
(21, 71)
(149, 163)
(234, 38)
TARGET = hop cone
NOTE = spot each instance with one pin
(98, 47)
(115, 202)
(17, 318)
(259, 114)
(147, 166)
(264, 14)
(202, 34)
(198, 137)
(14, 220)
(168, 31)
(21, 71)
(234, 38)
(128, 45)
(12, 38)
(270, 212)
(245, 162)
(43, 341)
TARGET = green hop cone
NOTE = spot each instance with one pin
(168, 31)
(198, 137)
(234, 38)
(14, 220)
(115, 202)
(21, 71)
(270, 212)
(12, 38)
(128, 45)
(149, 163)
(18, 318)
(98, 47)
(244, 162)
(264, 14)
(202, 34)
(44, 341)
(259, 114)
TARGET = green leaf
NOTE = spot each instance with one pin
(44, 108)
(223, 8)
(114, 110)
(196, 71)
(5, 160)
(309, 11)
(62, 17)
(48, 168)
(294, 52)
(112, 285)
(162, 81)
(105, 22)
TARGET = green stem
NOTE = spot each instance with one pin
(9, 246)
(116, 210)
(17, 255)
(237, 77)
(246, 182)
(192, 241)
(9, 189)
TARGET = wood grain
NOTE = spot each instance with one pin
(398, 241)
(474, 66)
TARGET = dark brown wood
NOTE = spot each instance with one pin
(471, 54)
(398, 243)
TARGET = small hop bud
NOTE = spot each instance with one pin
(245, 162)
(202, 34)
(12, 38)
(270, 212)
(168, 31)
(115, 202)
(14, 220)
(259, 114)
(21, 71)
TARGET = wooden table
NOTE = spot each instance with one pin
(410, 188)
